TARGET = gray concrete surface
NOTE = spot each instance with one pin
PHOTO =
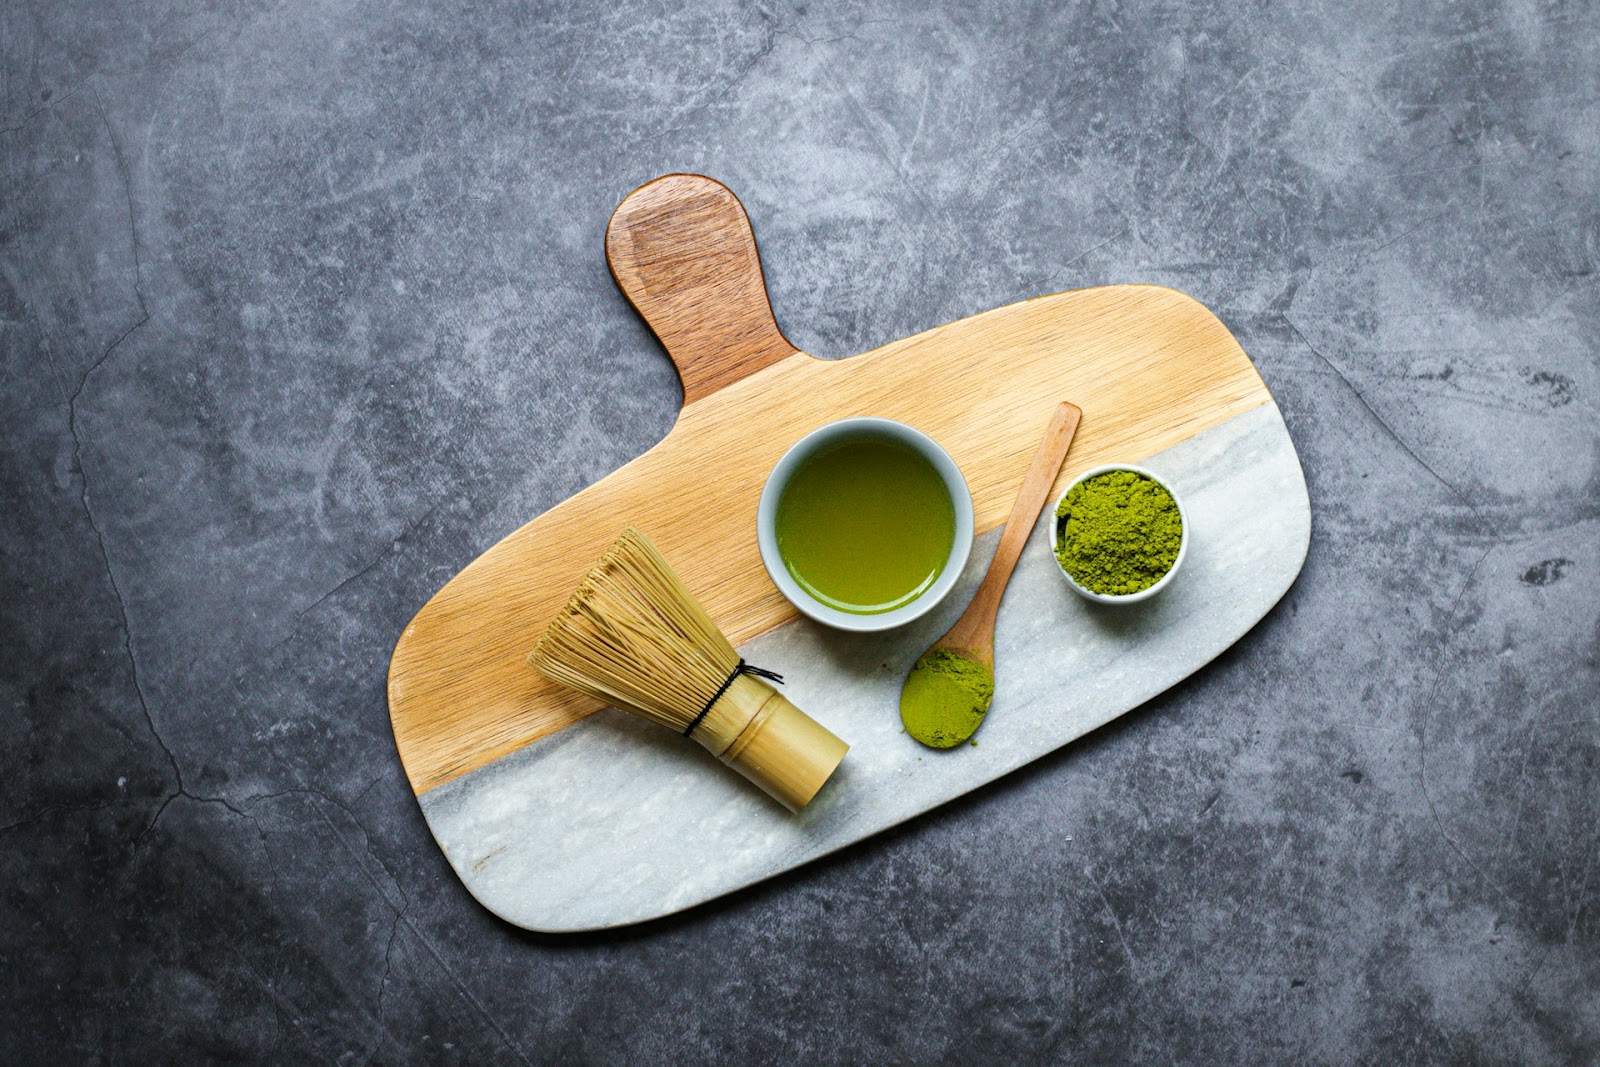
(304, 305)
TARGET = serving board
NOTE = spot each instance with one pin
(560, 819)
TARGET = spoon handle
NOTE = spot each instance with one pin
(975, 628)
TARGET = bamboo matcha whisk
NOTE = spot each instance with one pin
(633, 636)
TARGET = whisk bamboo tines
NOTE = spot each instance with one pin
(633, 636)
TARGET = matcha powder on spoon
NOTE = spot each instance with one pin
(945, 698)
(1118, 532)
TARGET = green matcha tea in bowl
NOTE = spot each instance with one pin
(1120, 534)
(865, 524)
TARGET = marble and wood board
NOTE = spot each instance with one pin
(558, 818)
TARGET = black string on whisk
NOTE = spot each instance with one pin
(742, 668)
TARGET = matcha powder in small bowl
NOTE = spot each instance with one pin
(1120, 534)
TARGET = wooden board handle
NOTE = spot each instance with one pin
(681, 251)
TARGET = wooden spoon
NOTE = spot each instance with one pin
(948, 692)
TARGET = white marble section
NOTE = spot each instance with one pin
(613, 820)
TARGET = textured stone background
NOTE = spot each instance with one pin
(302, 305)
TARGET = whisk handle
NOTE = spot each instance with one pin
(760, 733)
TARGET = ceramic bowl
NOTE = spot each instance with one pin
(833, 433)
(1124, 598)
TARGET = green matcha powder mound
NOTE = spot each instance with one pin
(945, 698)
(1118, 533)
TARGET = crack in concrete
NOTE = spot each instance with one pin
(1426, 710)
(359, 573)
(1384, 423)
(403, 915)
(383, 983)
(1366, 256)
(1127, 949)
(723, 91)
(401, 911)
(1087, 252)
(49, 105)
(65, 809)
(181, 789)
(931, 216)
(77, 447)
(183, 792)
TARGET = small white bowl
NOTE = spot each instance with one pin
(809, 445)
(1124, 598)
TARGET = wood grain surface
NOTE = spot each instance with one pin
(1148, 366)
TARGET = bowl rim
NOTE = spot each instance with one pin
(812, 442)
(1183, 541)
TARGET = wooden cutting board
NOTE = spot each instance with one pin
(1150, 367)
